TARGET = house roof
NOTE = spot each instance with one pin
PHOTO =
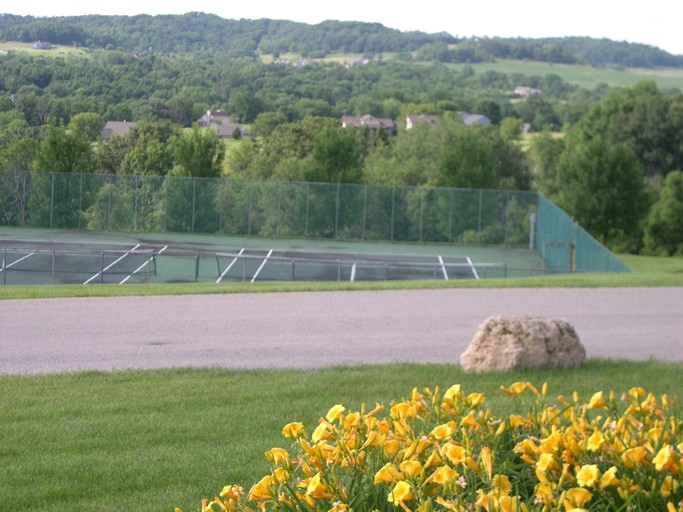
(474, 119)
(369, 121)
(119, 128)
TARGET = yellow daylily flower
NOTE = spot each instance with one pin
(609, 478)
(442, 431)
(515, 388)
(577, 496)
(634, 456)
(321, 432)
(388, 473)
(597, 400)
(455, 452)
(588, 475)
(545, 462)
(411, 467)
(595, 441)
(277, 455)
(391, 446)
(474, 399)
(262, 491)
(335, 413)
(316, 488)
(663, 460)
(469, 420)
(453, 393)
(400, 493)
(669, 486)
(487, 460)
(293, 430)
(280, 475)
(443, 475)
(232, 492)
(501, 485)
(511, 504)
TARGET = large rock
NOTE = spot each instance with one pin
(518, 342)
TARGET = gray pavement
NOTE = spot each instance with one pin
(312, 330)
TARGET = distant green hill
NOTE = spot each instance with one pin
(208, 33)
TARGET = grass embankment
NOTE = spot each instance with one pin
(153, 440)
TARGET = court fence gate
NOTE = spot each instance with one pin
(136, 203)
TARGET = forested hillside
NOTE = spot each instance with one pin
(207, 33)
(609, 155)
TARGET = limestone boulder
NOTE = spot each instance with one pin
(520, 342)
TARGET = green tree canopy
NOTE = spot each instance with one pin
(63, 151)
(600, 184)
(664, 228)
(199, 153)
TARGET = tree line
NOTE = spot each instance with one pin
(617, 170)
(207, 33)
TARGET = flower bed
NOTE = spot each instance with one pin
(434, 451)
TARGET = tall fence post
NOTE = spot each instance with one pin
(481, 197)
(393, 210)
(336, 214)
(194, 187)
(52, 197)
(135, 203)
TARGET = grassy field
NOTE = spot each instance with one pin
(56, 51)
(585, 76)
(153, 440)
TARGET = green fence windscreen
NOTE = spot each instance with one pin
(103, 202)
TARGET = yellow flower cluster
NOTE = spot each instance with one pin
(434, 451)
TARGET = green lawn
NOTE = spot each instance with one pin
(56, 51)
(584, 76)
(153, 440)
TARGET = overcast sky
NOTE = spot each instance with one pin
(653, 22)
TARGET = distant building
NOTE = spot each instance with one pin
(413, 120)
(474, 119)
(352, 63)
(523, 90)
(214, 117)
(42, 45)
(228, 131)
(119, 128)
(372, 122)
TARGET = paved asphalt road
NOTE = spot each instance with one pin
(310, 330)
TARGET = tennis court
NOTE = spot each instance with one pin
(52, 257)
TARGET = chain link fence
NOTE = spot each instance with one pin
(134, 203)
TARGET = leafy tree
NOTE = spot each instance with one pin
(266, 122)
(63, 151)
(246, 105)
(88, 125)
(664, 227)
(16, 158)
(151, 151)
(199, 153)
(545, 152)
(601, 185)
(336, 157)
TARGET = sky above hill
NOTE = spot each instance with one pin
(655, 22)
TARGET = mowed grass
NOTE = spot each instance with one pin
(56, 50)
(587, 77)
(154, 440)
